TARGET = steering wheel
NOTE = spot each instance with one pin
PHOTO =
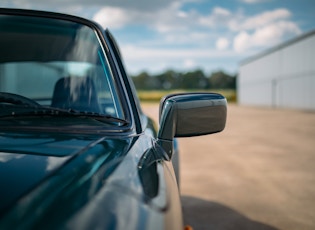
(17, 99)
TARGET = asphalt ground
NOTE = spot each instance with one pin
(259, 173)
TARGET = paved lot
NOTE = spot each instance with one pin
(257, 174)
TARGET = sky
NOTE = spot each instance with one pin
(185, 35)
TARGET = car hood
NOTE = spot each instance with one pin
(29, 161)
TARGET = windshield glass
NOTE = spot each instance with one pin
(54, 63)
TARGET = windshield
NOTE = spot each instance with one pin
(54, 63)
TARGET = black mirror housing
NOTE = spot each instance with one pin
(190, 114)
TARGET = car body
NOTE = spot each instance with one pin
(76, 150)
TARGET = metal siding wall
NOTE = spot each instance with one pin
(295, 93)
(283, 78)
(296, 78)
(256, 81)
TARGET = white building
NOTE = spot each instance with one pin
(283, 76)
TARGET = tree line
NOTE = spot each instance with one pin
(196, 79)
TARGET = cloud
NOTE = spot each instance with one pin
(217, 17)
(170, 18)
(161, 19)
(89, 9)
(135, 53)
(263, 30)
(260, 20)
(254, 1)
(134, 4)
(113, 16)
(242, 42)
(189, 63)
(155, 60)
(174, 26)
(222, 43)
(266, 36)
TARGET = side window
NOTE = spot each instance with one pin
(122, 67)
(105, 87)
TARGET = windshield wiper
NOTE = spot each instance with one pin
(52, 111)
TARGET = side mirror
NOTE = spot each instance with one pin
(190, 114)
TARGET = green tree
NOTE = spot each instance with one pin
(193, 80)
(168, 79)
(145, 81)
(222, 80)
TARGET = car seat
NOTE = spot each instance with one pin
(78, 93)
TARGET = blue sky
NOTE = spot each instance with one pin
(185, 35)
